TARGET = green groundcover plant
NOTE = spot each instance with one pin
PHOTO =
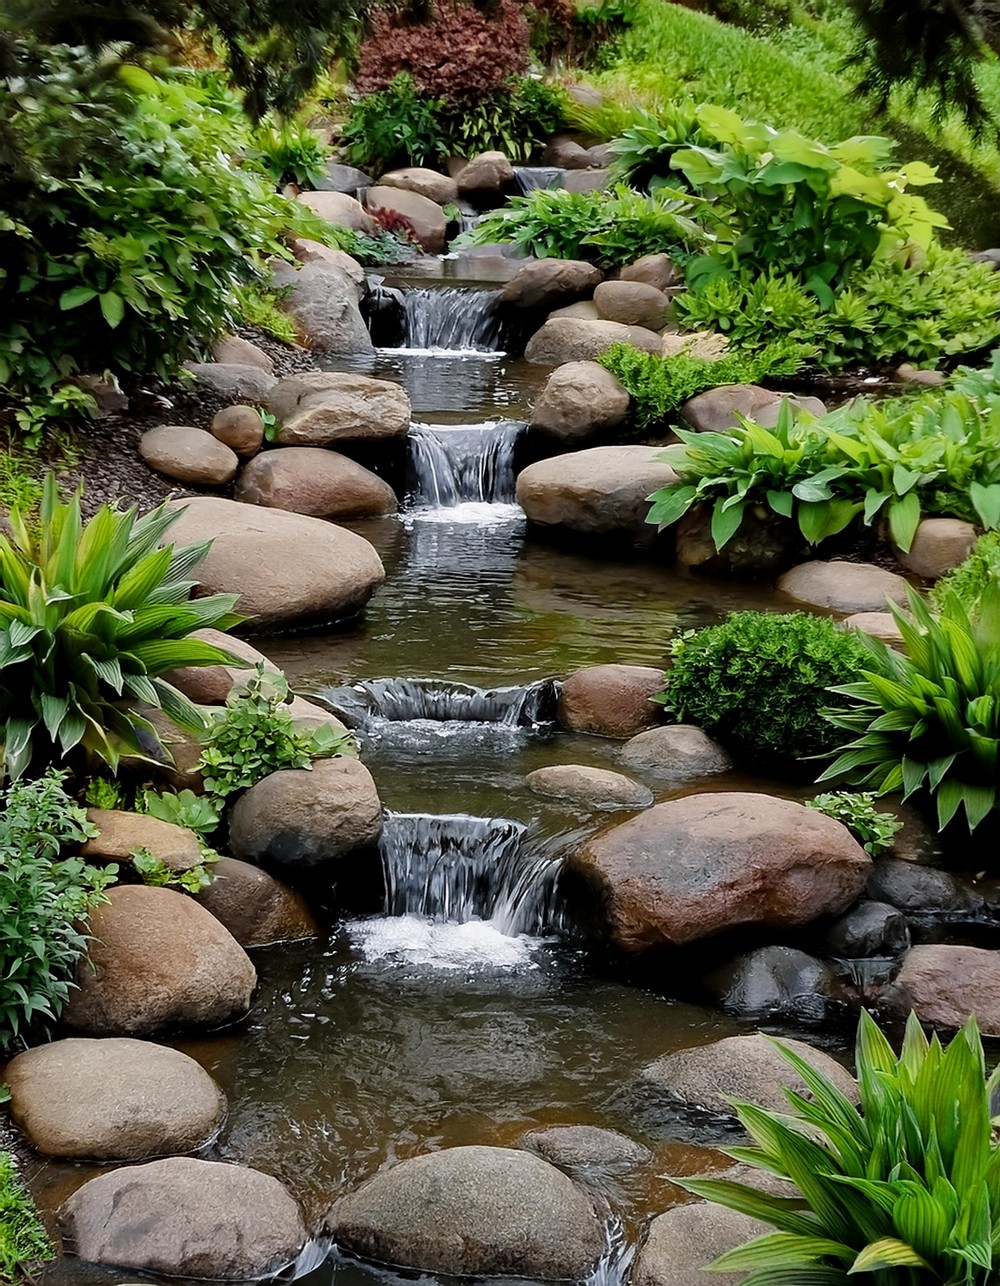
(23, 1239)
(760, 681)
(894, 461)
(926, 721)
(971, 578)
(45, 899)
(92, 616)
(904, 1192)
(874, 830)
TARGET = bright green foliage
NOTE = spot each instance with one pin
(647, 143)
(660, 385)
(289, 152)
(759, 682)
(906, 1190)
(887, 314)
(257, 305)
(397, 123)
(971, 578)
(44, 901)
(254, 736)
(23, 1239)
(158, 875)
(515, 120)
(927, 720)
(197, 812)
(874, 830)
(613, 227)
(897, 460)
(784, 203)
(92, 615)
(102, 793)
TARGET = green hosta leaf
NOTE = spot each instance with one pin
(725, 522)
(887, 1253)
(782, 502)
(787, 1213)
(922, 1223)
(904, 518)
(669, 504)
(782, 1250)
(986, 501)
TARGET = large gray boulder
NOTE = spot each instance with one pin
(579, 401)
(776, 982)
(717, 409)
(633, 303)
(297, 820)
(938, 545)
(315, 481)
(439, 188)
(185, 1218)
(425, 216)
(322, 408)
(157, 960)
(682, 1243)
(188, 455)
(286, 568)
(341, 209)
(599, 491)
(121, 834)
(582, 1147)
(487, 173)
(847, 588)
(571, 339)
(679, 751)
(473, 1211)
(741, 1067)
(657, 270)
(322, 301)
(697, 866)
(232, 380)
(240, 428)
(112, 1100)
(545, 284)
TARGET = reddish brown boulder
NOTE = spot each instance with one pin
(255, 908)
(315, 481)
(943, 985)
(610, 700)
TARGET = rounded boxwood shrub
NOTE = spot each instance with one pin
(760, 682)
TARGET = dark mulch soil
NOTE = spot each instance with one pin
(107, 451)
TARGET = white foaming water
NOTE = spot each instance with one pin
(477, 513)
(493, 355)
(419, 941)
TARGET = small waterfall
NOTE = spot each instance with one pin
(408, 700)
(451, 318)
(457, 869)
(529, 178)
(460, 463)
(383, 311)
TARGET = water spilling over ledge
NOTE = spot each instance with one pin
(452, 319)
(464, 463)
(529, 178)
(375, 701)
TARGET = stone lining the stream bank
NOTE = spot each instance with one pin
(610, 700)
(594, 787)
(847, 588)
(256, 909)
(682, 1243)
(317, 482)
(678, 751)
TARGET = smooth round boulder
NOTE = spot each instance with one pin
(717, 409)
(439, 188)
(633, 303)
(580, 400)
(679, 751)
(319, 408)
(566, 153)
(157, 960)
(545, 284)
(240, 428)
(682, 1243)
(340, 208)
(584, 308)
(944, 985)
(742, 1067)
(657, 270)
(695, 867)
(489, 172)
(939, 545)
(232, 380)
(593, 787)
(188, 455)
(185, 1218)
(315, 481)
(242, 352)
(610, 700)
(254, 907)
(571, 339)
(425, 216)
(598, 491)
(868, 929)
(472, 1211)
(322, 300)
(343, 178)
(121, 834)
(287, 569)
(112, 1100)
(298, 820)
(308, 251)
(924, 891)
(879, 625)
(579, 1147)
(845, 588)
(777, 982)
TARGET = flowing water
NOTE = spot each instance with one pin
(469, 1009)
(529, 178)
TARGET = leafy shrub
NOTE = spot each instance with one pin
(255, 736)
(395, 125)
(103, 793)
(257, 305)
(874, 830)
(92, 615)
(515, 119)
(462, 53)
(660, 385)
(759, 682)
(928, 719)
(184, 808)
(155, 873)
(44, 901)
(609, 227)
(125, 235)
(897, 460)
(970, 580)
(907, 1189)
(289, 152)
(23, 1239)
(646, 145)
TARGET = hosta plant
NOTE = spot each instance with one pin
(927, 720)
(904, 1192)
(92, 616)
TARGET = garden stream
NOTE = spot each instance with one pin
(470, 1011)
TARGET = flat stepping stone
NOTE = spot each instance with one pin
(597, 787)
(846, 588)
(583, 1146)
(680, 751)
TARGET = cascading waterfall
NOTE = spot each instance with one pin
(456, 869)
(457, 464)
(529, 178)
(376, 701)
(452, 319)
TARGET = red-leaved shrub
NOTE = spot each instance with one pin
(460, 53)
